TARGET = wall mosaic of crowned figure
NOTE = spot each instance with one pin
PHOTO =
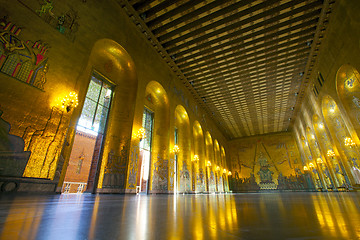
(24, 60)
(265, 163)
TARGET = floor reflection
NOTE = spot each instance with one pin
(223, 216)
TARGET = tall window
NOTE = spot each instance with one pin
(90, 132)
(96, 106)
(176, 136)
(145, 149)
(147, 123)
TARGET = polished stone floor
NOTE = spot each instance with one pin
(220, 216)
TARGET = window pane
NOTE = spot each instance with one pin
(147, 124)
(87, 114)
(105, 96)
(100, 119)
(94, 89)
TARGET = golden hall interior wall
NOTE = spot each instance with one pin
(267, 162)
(48, 131)
(330, 111)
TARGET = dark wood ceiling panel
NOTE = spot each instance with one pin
(237, 57)
(194, 14)
(252, 42)
(222, 21)
(246, 62)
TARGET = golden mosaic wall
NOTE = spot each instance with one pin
(269, 162)
(327, 126)
(75, 46)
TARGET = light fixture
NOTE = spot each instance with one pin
(208, 164)
(311, 165)
(70, 101)
(229, 173)
(306, 168)
(224, 170)
(349, 142)
(141, 134)
(332, 109)
(195, 158)
(321, 125)
(319, 160)
(217, 168)
(330, 153)
(176, 149)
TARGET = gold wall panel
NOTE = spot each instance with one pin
(265, 163)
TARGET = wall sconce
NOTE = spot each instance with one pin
(70, 101)
(195, 158)
(208, 164)
(217, 168)
(141, 134)
(176, 149)
(330, 153)
(224, 170)
(311, 165)
(319, 160)
(321, 125)
(349, 142)
(229, 173)
(306, 168)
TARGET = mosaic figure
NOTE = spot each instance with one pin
(200, 180)
(160, 174)
(185, 178)
(356, 101)
(349, 82)
(46, 7)
(264, 172)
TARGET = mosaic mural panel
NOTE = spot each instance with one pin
(268, 163)
(185, 179)
(160, 174)
(133, 166)
(25, 61)
(115, 170)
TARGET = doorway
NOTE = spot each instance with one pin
(145, 151)
(89, 135)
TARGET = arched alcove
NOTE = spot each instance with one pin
(198, 166)
(348, 89)
(157, 104)
(333, 162)
(183, 157)
(219, 167)
(211, 169)
(225, 173)
(319, 161)
(341, 136)
(310, 163)
(109, 62)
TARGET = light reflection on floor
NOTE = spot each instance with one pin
(237, 216)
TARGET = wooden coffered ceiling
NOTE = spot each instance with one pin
(247, 62)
